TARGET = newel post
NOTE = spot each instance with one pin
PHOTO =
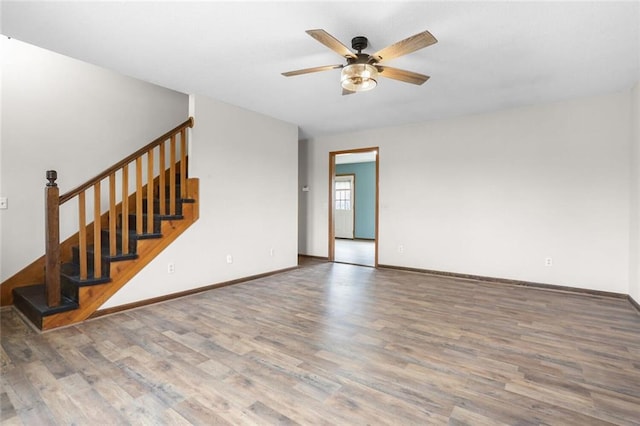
(52, 240)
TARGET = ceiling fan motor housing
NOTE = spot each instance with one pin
(359, 43)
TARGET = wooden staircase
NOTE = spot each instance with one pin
(74, 278)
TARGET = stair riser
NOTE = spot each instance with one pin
(28, 311)
(132, 223)
(105, 242)
(105, 263)
(156, 190)
(69, 288)
(156, 206)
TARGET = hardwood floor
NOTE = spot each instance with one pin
(356, 252)
(334, 344)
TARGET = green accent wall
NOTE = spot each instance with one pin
(365, 204)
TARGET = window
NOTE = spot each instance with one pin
(343, 195)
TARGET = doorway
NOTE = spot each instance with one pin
(353, 206)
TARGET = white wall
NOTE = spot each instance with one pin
(247, 166)
(634, 261)
(3, 54)
(496, 194)
(63, 114)
(303, 197)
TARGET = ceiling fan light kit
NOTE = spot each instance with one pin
(359, 77)
(362, 70)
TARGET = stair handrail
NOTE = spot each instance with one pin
(53, 201)
(88, 184)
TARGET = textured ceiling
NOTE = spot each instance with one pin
(489, 55)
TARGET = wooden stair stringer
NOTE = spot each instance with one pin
(90, 298)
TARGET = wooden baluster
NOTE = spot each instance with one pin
(161, 178)
(52, 238)
(183, 163)
(150, 192)
(82, 234)
(172, 176)
(139, 195)
(112, 214)
(125, 209)
(97, 239)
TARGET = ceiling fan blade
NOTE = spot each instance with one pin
(403, 47)
(332, 43)
(402, 75)
(310, 70)
(347, 92)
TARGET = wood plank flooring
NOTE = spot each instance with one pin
(355, 252)
(334, 344)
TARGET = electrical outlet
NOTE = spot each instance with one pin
(229, 258)
(400, 249)
(548, 261)
(171, 268)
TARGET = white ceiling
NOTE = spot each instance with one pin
(360, 157)
(489, 55)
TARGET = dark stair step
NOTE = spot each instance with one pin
(179, 197)
(156, 208)
(157, 226)
(72, 271)
(178, 193)
(119, 255)
(167, 188)
(70, 281)
(168, 216)
(31, 301)
(105, 261)
(104, 255)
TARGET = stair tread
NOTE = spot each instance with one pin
(147, 236)
(72, 272)
(35, 296)
(157, 216)
(169, 216)
(132, 233)
(104, 250)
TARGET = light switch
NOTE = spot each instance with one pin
(4, 203)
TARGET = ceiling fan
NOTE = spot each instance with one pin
(362, 70)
